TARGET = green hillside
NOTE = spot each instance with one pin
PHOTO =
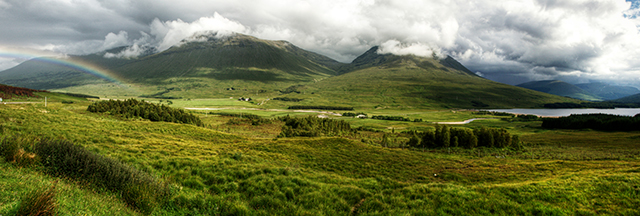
(388, 81)
(608, 92)
(235, 57)
(49, 73)
(208, 65)
(203, 66)
(628, 99)
(216, 170)
(560, 88)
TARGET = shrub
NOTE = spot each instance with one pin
(9, 149)
(322, 107)
(288, 99)
(603, 122)
(39, 202)
(313, 126)
(445, 136)
(390, 118)
(138, 189)
(12, 149)
(133, 108)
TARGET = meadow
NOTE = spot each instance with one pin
(234, 167)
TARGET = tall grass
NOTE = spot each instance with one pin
(17, 150)
(138, 189)
(40, 202)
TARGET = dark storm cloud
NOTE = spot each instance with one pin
(512, 40)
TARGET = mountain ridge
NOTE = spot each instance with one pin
(560, 88)
(208, 64)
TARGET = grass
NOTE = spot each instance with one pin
(71, 198)
(39, 202)
(237, 169)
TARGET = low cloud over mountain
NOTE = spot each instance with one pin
(512, 42)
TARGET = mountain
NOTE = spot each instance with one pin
(376, 80)
(55, 73)
(628, 99)
(223, 65)
(607, 91)
(560, 88)
(229, 57)
(205, 63)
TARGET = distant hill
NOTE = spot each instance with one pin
(389, 81)
(628, 99)
(223, 65)
(229, 57)
(8, 92)
(607, 91)
(46, 73)
(200, 66)
(560, 88)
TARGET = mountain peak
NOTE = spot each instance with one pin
(229, 38)
(373, 58)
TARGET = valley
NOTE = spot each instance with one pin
(382, 135)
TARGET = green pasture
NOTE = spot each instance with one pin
(231, 167)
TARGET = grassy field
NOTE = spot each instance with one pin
(231, 167)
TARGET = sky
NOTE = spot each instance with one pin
(508, 41)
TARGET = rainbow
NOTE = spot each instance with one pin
(68, 62)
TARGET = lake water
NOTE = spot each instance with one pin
(567, 112)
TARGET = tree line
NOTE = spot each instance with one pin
(130, 108)
(604, 122)
(322, 107)
(313, 126)
(10, 91)
(288, 99)
(394, 118)
(445, 137)
(596, 105)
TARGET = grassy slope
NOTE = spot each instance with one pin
(223, 173)
(561, 88)
(629, 99)
(195, 70)
(411, 82)
(608, 92)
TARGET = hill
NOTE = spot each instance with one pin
(628, 99)
(8, 92)
(386, 81)
(21, 95)
(224, 65)
(560, 88)
(215, 170)
(607, 91)
(229, 57)
(206, 63)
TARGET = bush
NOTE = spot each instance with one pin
(138, 189)
(288, 99)
(133, 108)
(603, 122)
(390, 118)
(445, 136)
(322, 107)
(14, 150)
(39, 202)
(313, 126)
(350, 114)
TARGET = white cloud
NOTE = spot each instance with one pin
(4, 5)
(115, 40)
(527, 39)
(170, 33)
(397, 48)
(6, 63)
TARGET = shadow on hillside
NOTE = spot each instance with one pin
(251, 75)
